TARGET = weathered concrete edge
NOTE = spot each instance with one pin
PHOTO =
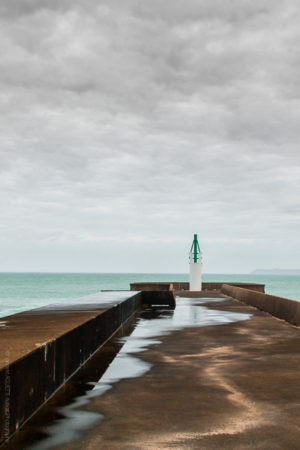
(280, 307)
(159, 298)
(185, 286)
(32, 380)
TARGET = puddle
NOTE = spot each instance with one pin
(187, 314)
(100, 374)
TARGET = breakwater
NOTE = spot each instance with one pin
(42, 348)
(184, 286)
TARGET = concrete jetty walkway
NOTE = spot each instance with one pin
(23, 333)
(41, 348)
(229, 386)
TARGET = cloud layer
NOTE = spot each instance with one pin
(127, 126)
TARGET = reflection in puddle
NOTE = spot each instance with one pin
(99, 374)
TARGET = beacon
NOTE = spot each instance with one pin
(195, 258)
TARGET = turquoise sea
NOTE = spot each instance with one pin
(23, 291)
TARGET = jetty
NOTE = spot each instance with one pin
(222, 367)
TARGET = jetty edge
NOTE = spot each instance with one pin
(280, 307)
(185, 286)
(42, 348)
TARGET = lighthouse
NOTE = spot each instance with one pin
(195, 266)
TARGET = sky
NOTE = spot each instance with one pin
(127, 126)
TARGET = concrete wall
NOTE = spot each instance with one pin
(218, 286)
(149, 286)
(159, 298)
(280, 307)
(29, 381)
(185, 286)
(181, 285)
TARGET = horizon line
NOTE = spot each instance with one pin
(128, 273)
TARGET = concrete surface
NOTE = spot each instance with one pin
(40, 349)
(22, 333)
(280, 307)
(233, 386)
(184, 286)
(151, 286)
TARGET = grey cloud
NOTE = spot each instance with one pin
(136, 124)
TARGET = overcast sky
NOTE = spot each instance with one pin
(127, 126)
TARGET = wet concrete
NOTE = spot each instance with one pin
(41, 348)
(153, 323)
(234, 385)
(213, 373)
(22, 333)
(283, 308)
(185, 286)
(144, 331)
(62, 419)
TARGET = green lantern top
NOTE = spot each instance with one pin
(195, 251)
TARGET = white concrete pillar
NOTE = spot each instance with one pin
(195, 258)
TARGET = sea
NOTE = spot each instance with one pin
(24, 291)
